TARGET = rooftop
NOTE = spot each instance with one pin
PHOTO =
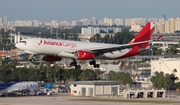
(96, 82)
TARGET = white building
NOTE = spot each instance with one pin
(94, 88)
(135, 28)
(166, 65)
(17, 38)
(99, 30)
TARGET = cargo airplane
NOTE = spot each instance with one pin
(6, 88)
(56, 49)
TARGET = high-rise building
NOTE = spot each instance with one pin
(29, 23)
(5, 20)
(127, 22)
(140, 21)
(107, 22)
(93, 21)
(159, 28)
(170, 25)
(77, 23)
(1, 23)
(99, 30)
(64, 23)
(177, 24)
(85, 22)
(36, 23)
(164, 17)
(161, 20)
(135, 28)
(100, 22)
(154, 20)
(54, 23)
(119, 22)
(10, 23)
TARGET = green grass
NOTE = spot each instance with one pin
(129, 101)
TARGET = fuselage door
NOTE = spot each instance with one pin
(36, 43)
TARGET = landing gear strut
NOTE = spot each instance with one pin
(93, 62)
(74, 63)
(31, 58)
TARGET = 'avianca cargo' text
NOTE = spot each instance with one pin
(54, 43)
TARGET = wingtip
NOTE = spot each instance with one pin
(159, 37)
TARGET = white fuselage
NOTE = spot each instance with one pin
(62, 47)
(18, 86)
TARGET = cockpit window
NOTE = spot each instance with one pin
(23, 42)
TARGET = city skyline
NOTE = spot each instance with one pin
(44, 10)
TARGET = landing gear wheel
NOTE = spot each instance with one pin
(92, 62)
(77, 66)
(73, 64)
(96, 65)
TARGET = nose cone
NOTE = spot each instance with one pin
(17, 45)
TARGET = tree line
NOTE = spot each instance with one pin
(52, 73)
(118, 38)
(166, 81)
(47, 72)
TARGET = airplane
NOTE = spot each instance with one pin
(6, 88)
(56, 49)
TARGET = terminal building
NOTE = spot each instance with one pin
(94, 88)
(111, 89)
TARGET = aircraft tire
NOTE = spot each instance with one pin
(77, 66)
(73, 64)
(96, 66)
(92, 62)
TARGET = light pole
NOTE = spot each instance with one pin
(64, 34)
(11, 34)
(57, 32)
(39, 34)
(19, 75)
(159, 66)
(65, 61)
(106, 72)
(51, 31)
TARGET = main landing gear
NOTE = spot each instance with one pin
(93, 62)
(74, 63)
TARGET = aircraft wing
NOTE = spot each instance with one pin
(116, 47)
(108, 48)
(111, 47)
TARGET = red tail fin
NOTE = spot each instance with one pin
(144, 35)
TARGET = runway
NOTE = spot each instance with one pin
(63, 100)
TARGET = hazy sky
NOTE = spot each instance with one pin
(47, 10)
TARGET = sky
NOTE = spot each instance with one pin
(68, 10)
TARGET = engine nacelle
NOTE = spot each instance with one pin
(84, 55)
(50, 58)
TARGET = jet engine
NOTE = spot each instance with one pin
(84, 55)
(50, 58)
